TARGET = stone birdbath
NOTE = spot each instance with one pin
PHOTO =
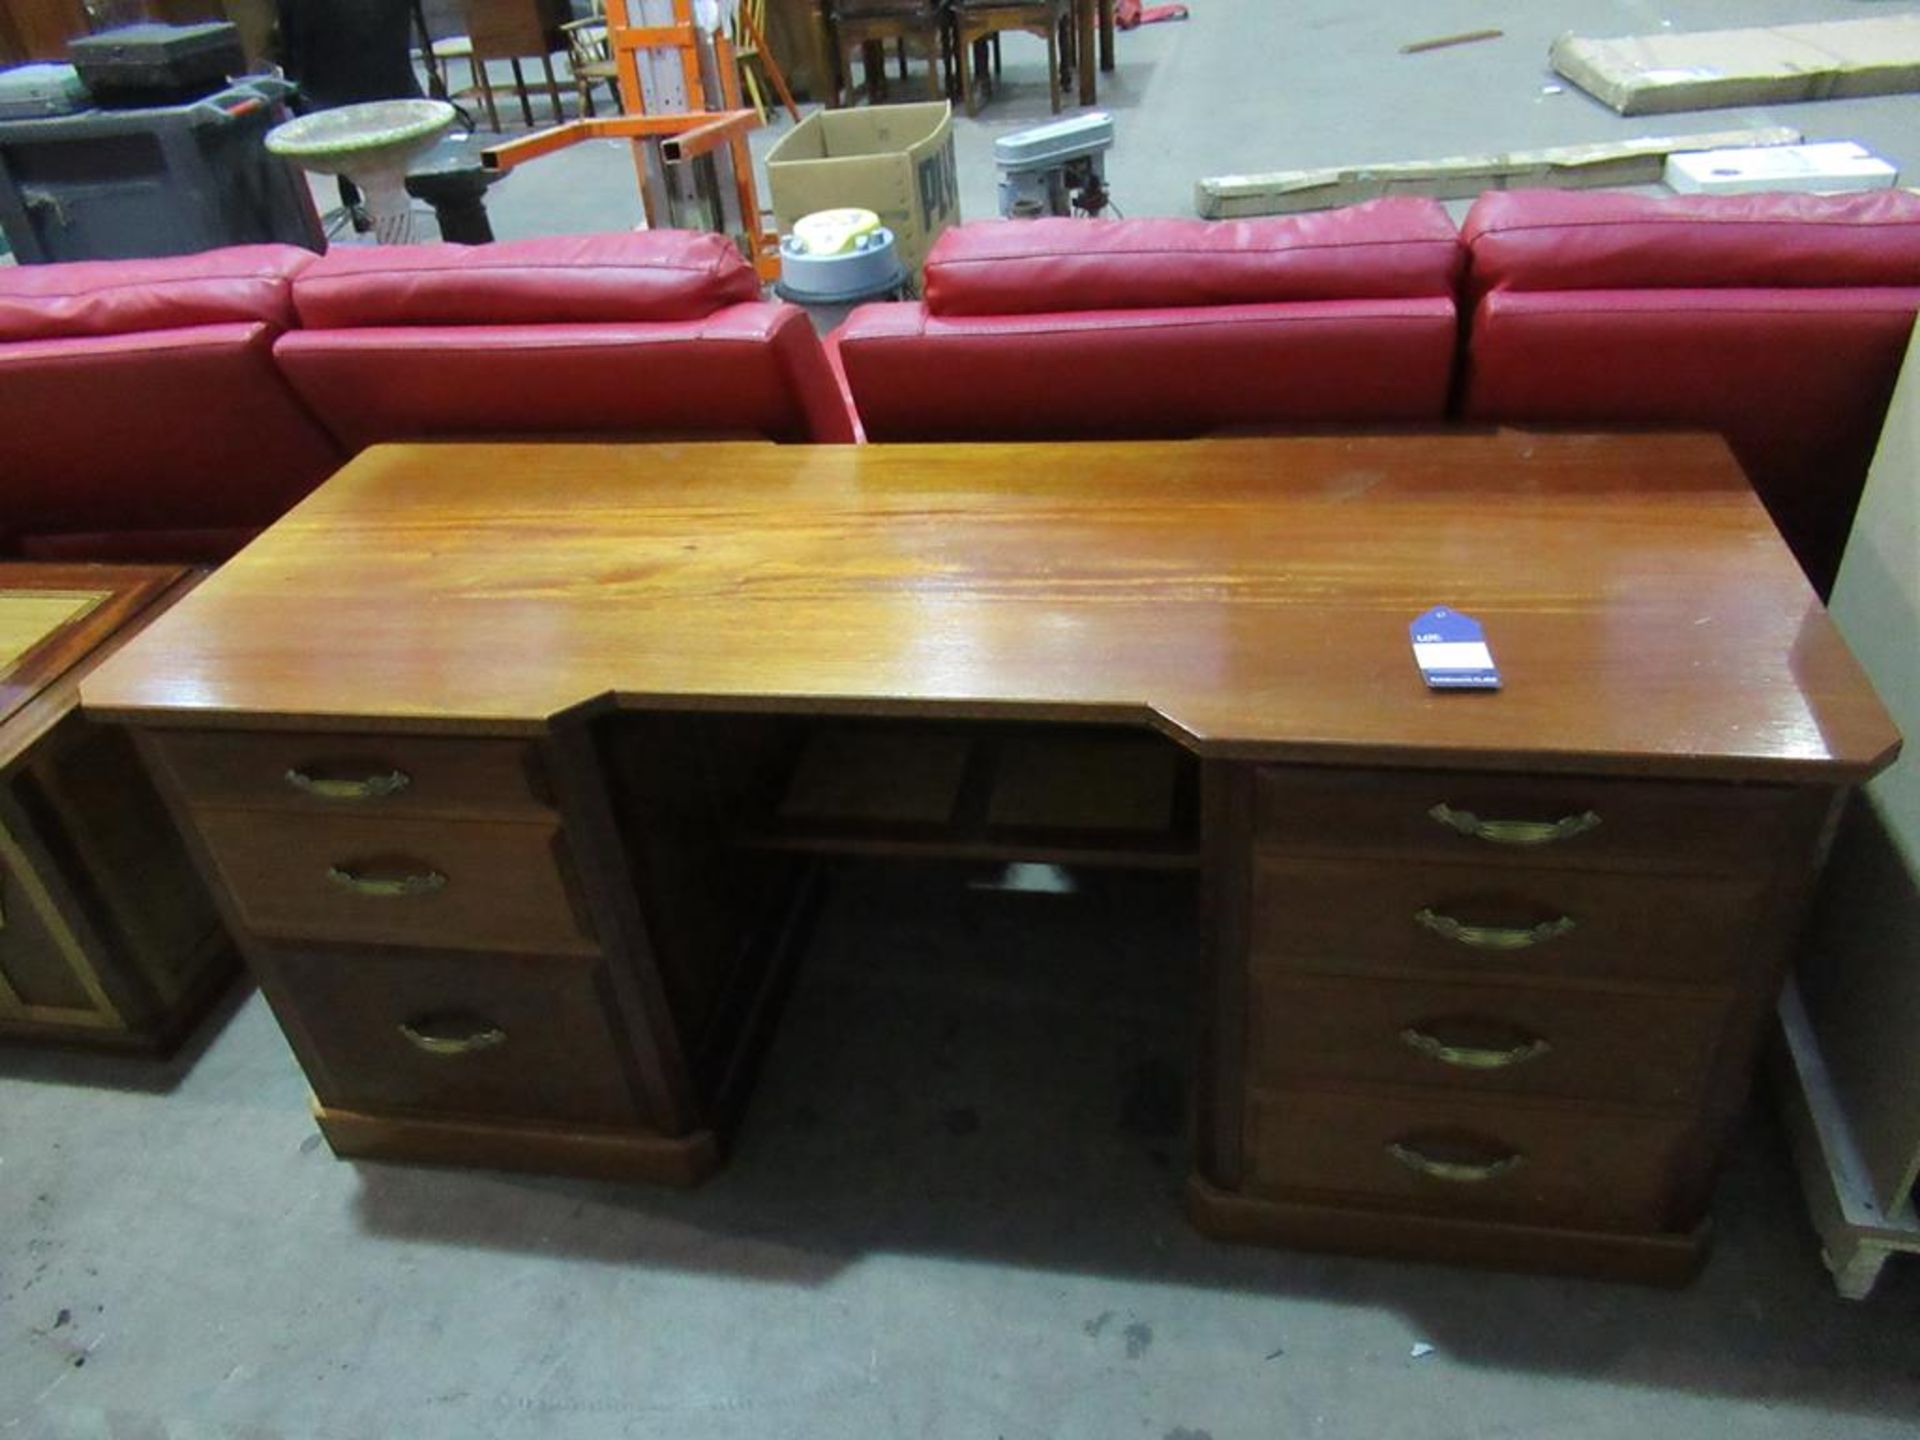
(370, 144)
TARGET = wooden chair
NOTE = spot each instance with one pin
(590, 58)
(515, 30)
(441, 56)
(760, 70)
(866, 26)
(979, 23)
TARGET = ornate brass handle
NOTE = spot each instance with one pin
(1494, 937)
(452, 1034)
(371, 787)
(1515, 832)
(1473, 1057)
(1455, 1172)
(387, 887)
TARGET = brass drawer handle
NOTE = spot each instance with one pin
(387, 887)
(1455, 1172)
(1494, 937)
(452, 1034)
(1473, 1057)
(372, 787)
(1515, 832)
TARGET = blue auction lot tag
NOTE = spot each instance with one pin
(1451, 651)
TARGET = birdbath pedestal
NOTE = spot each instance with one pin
(370, 145)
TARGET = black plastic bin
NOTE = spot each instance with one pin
(172, 180)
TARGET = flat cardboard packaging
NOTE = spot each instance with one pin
(1824, 169)
(1708, 69)
(1461, 177)
(895, 160)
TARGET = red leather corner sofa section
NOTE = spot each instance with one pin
(1072, 329)
(141, 414)
(661, 332)
(1778, 320)
(169, 409)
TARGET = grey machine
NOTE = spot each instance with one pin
(179, 168)
(1056, 169)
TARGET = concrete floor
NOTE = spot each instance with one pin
(1253, 85)
(953, 1209)
(953, 1212)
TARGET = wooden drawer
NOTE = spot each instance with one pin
(1360, 916)
(494, 1037)
(1531, 820)
(1492, 1159)
(1513, 1039)
(460, 885)
(398, 775)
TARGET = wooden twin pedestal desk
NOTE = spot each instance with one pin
(511, 764)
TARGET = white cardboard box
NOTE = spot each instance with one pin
(1836, 165)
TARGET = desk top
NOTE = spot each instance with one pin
(53, 616)
(1250, 597)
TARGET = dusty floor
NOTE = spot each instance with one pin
(953, 1211)
(1254, 85)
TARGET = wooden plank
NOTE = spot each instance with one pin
(1460, 177)
(1447, 42)
(1249, 597)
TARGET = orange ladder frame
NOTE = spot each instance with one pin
(682, 136)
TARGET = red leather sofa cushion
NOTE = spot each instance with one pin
(1146, 373)
(123, 297)
(1572, 240)
(167, 444)
(651, 275)
(751, 369)
(1067, 329)
(1384, 249)
(1778, 321)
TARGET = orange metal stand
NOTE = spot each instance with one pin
(682, 136)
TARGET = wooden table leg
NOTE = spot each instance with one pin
(825, 80)
(1083, 16)
(1106, 35)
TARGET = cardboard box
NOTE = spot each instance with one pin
(895, 160)
(1708, 69)
(1819, 169)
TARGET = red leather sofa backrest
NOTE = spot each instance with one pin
(1778, 320)
(141, 415)
(651, 333)
(1090, 329)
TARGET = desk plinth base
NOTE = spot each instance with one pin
(213, 973)
(683, 1160)
(1657, 1259)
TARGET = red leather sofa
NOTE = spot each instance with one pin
(169, 409)
(1090, 329)
(141, 414)
(654, 333)
(1778, 320)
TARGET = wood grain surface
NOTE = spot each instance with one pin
(53, 616)
(1250, 597)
